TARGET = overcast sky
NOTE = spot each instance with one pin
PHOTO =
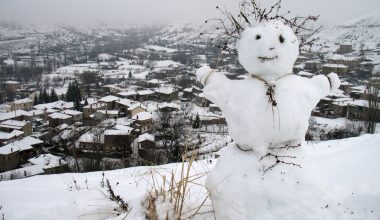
(155, 11)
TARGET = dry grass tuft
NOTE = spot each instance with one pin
(170, 200)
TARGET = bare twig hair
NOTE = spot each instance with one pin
(250, 12)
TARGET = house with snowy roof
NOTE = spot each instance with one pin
(166, 93)
(144, 120)
(37, 114)
(345, 86)
(12, 86)
(123, 104)
(41, 164)
(91, 140)
(312, 65)
(362, 92)
(189, 92)
(27, 147)
(130, 94)
(305, 74)
(147, 149)
(103, 114)
(21, 104)
(58, 105)
(9, 158)
(333, 105)
(110, 100)
(13, 115)
(90, 109)
(359, 110)
(168, 107)
(145, 94)
(146, 141)
(4, 107)
(135, 109)
(76, 115)
(16, 152)
(119, 139)
(57, 118)
(155, 82)
(340, 106)
(163, 65)
(214, 108)
(201, 100)
(339, 69)
(350, 62)
(8, 136)
(11, 125)
(51, 164)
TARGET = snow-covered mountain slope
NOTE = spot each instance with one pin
(364, 30)
(346, 170)
(186, 33)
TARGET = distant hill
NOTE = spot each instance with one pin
(361, 31)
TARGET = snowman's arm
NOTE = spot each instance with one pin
(324, 84)
(216, 84)
(205, 75)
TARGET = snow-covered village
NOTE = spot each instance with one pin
(174, 110)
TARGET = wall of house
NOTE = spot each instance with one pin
(58, 169)
(146, 126)
(27, 129)
(22, 106)
(9, 161)
(117, 143)
(338, 70)
(136, 111)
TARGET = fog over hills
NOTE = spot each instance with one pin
(164, 11)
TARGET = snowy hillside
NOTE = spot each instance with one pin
(346, 172)
(23, 36)
(362, 30)
(186, 33)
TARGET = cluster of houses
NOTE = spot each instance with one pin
(116, 121)
(19, 147)
(354, 97)
(117, 118)
(352, 102)
(345, 62)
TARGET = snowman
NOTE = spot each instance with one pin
(265, 174)
(271, 108)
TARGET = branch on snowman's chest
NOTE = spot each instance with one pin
(271, 88)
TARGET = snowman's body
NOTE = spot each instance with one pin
(252, 120)
(263, 124)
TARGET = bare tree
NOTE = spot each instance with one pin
(170, 130)
(98, 140)
(373, 106)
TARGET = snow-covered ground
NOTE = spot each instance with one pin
(346, 170)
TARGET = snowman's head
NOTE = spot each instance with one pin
(268, 50)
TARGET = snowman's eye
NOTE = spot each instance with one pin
(282, 39)
(258, 37)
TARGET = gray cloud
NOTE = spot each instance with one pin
(159, 11)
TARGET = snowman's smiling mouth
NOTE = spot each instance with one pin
(264, 59)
